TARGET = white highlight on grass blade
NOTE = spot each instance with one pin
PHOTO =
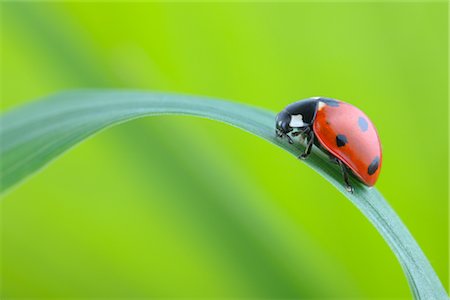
(34, 135)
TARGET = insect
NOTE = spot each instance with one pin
(340, 130)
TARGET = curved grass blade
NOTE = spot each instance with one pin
(34, 135)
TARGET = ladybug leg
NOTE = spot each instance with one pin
(344, 171)
(303, 131)
(289, 139)
(281, 135)
(334, 160)
(307, 152)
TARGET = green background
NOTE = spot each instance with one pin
(182, 207)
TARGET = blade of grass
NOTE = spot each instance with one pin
(36, 134)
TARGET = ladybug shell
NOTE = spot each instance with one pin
(347, 133)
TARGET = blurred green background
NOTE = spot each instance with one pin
(183, 207)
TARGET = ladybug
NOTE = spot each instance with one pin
(340, 130)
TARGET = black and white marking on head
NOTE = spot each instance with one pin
(373, 167)
(282, 122)
(302, 112)
(296, 121)
(362, 123)
(341, 140)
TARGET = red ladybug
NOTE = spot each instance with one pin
(341, 130)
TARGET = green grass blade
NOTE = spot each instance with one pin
(34, 135)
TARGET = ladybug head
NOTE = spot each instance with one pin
(282, 123)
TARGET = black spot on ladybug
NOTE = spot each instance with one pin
(328, 123)
(373, 167)
(363, 125)
(330, 102)
(341, 140)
